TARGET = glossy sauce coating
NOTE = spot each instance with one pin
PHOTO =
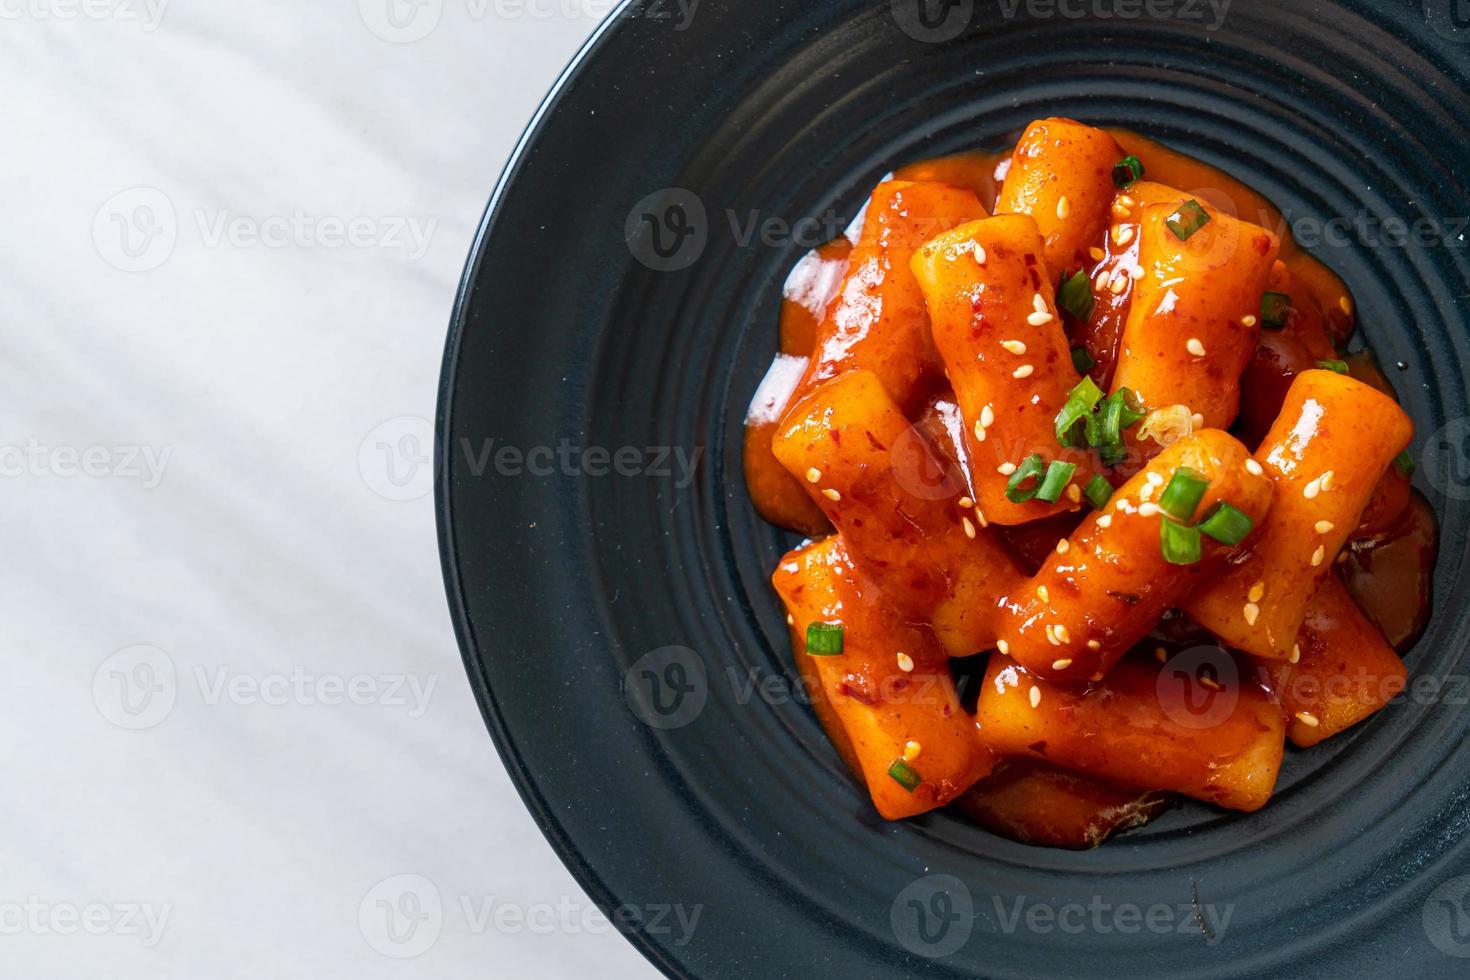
(1220, 740)
(1101, 592)
(890, 687)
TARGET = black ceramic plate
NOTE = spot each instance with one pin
(613, 608)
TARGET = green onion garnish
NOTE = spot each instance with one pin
(1098, 491)
(1127, 171)
(1404, 463)
(1226, 524)
(1188, 219)
(1058, 475)
(1119, 410)
(1341, 367)
(1275, 308)
(1082, 360)
(824, 640)
(1181, 497)
(1031, 468)
(1080, 402)
(1075, 295)
(1180, 543)
(904, 776)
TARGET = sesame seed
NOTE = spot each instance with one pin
(1120, 210)
(1003, 646)
(965, 503)
(1094, 644)
(1118, 284)
(1097, 254)
(1251, 612)
(1062, 664)
(1319, 555)
(911, 750)
(1136, 272)
(831, 494)
(1247, 321)
(1324, 526)
(1197, 420)
(1307, 718)
(1146, 491)
(1210, 683)
(1126, 201)
(814, 475)
(1006, 469)
(1296, 652)
(1156, 479)
(1074, 493)
(1100, 281)
(1062, 546)
(1122, 234)
(1160, 654)
(1257, 592)
(1344, 304)
(987, 416)
(1148, 510)
(980, 516)
(1063, 634)
(1024, 371)
(979, 251)
(1342, 557)
(969, 528)
(1096, 677)
(1039, 319)
(790, 620)
(1014, 346)
(1035, 696)
(1063, 208)
(1123, 503)
(1195, 347)
(1042, 594)
(1254, 468)
(1038, 303)
(1105, 520)
(979, 431)
(1311, 490)
(1051, 636)
(905, 663)
(1327, 479)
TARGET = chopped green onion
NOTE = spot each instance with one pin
(1275, 308)
(1098, 491)
(1119, 410)
(904, 776)
(1188, 219)
(824, 640)
(1404, 463)
(1075, 295)
(1082, 360)
(1058, 475)
(1180, 543)
(1080, 402)
(1226, 524)
(1181, 497)
(1341, 367)
(1031, 468)
(1127, 171)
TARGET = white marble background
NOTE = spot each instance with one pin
(236, 732)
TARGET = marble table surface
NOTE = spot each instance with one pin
(239, 739)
